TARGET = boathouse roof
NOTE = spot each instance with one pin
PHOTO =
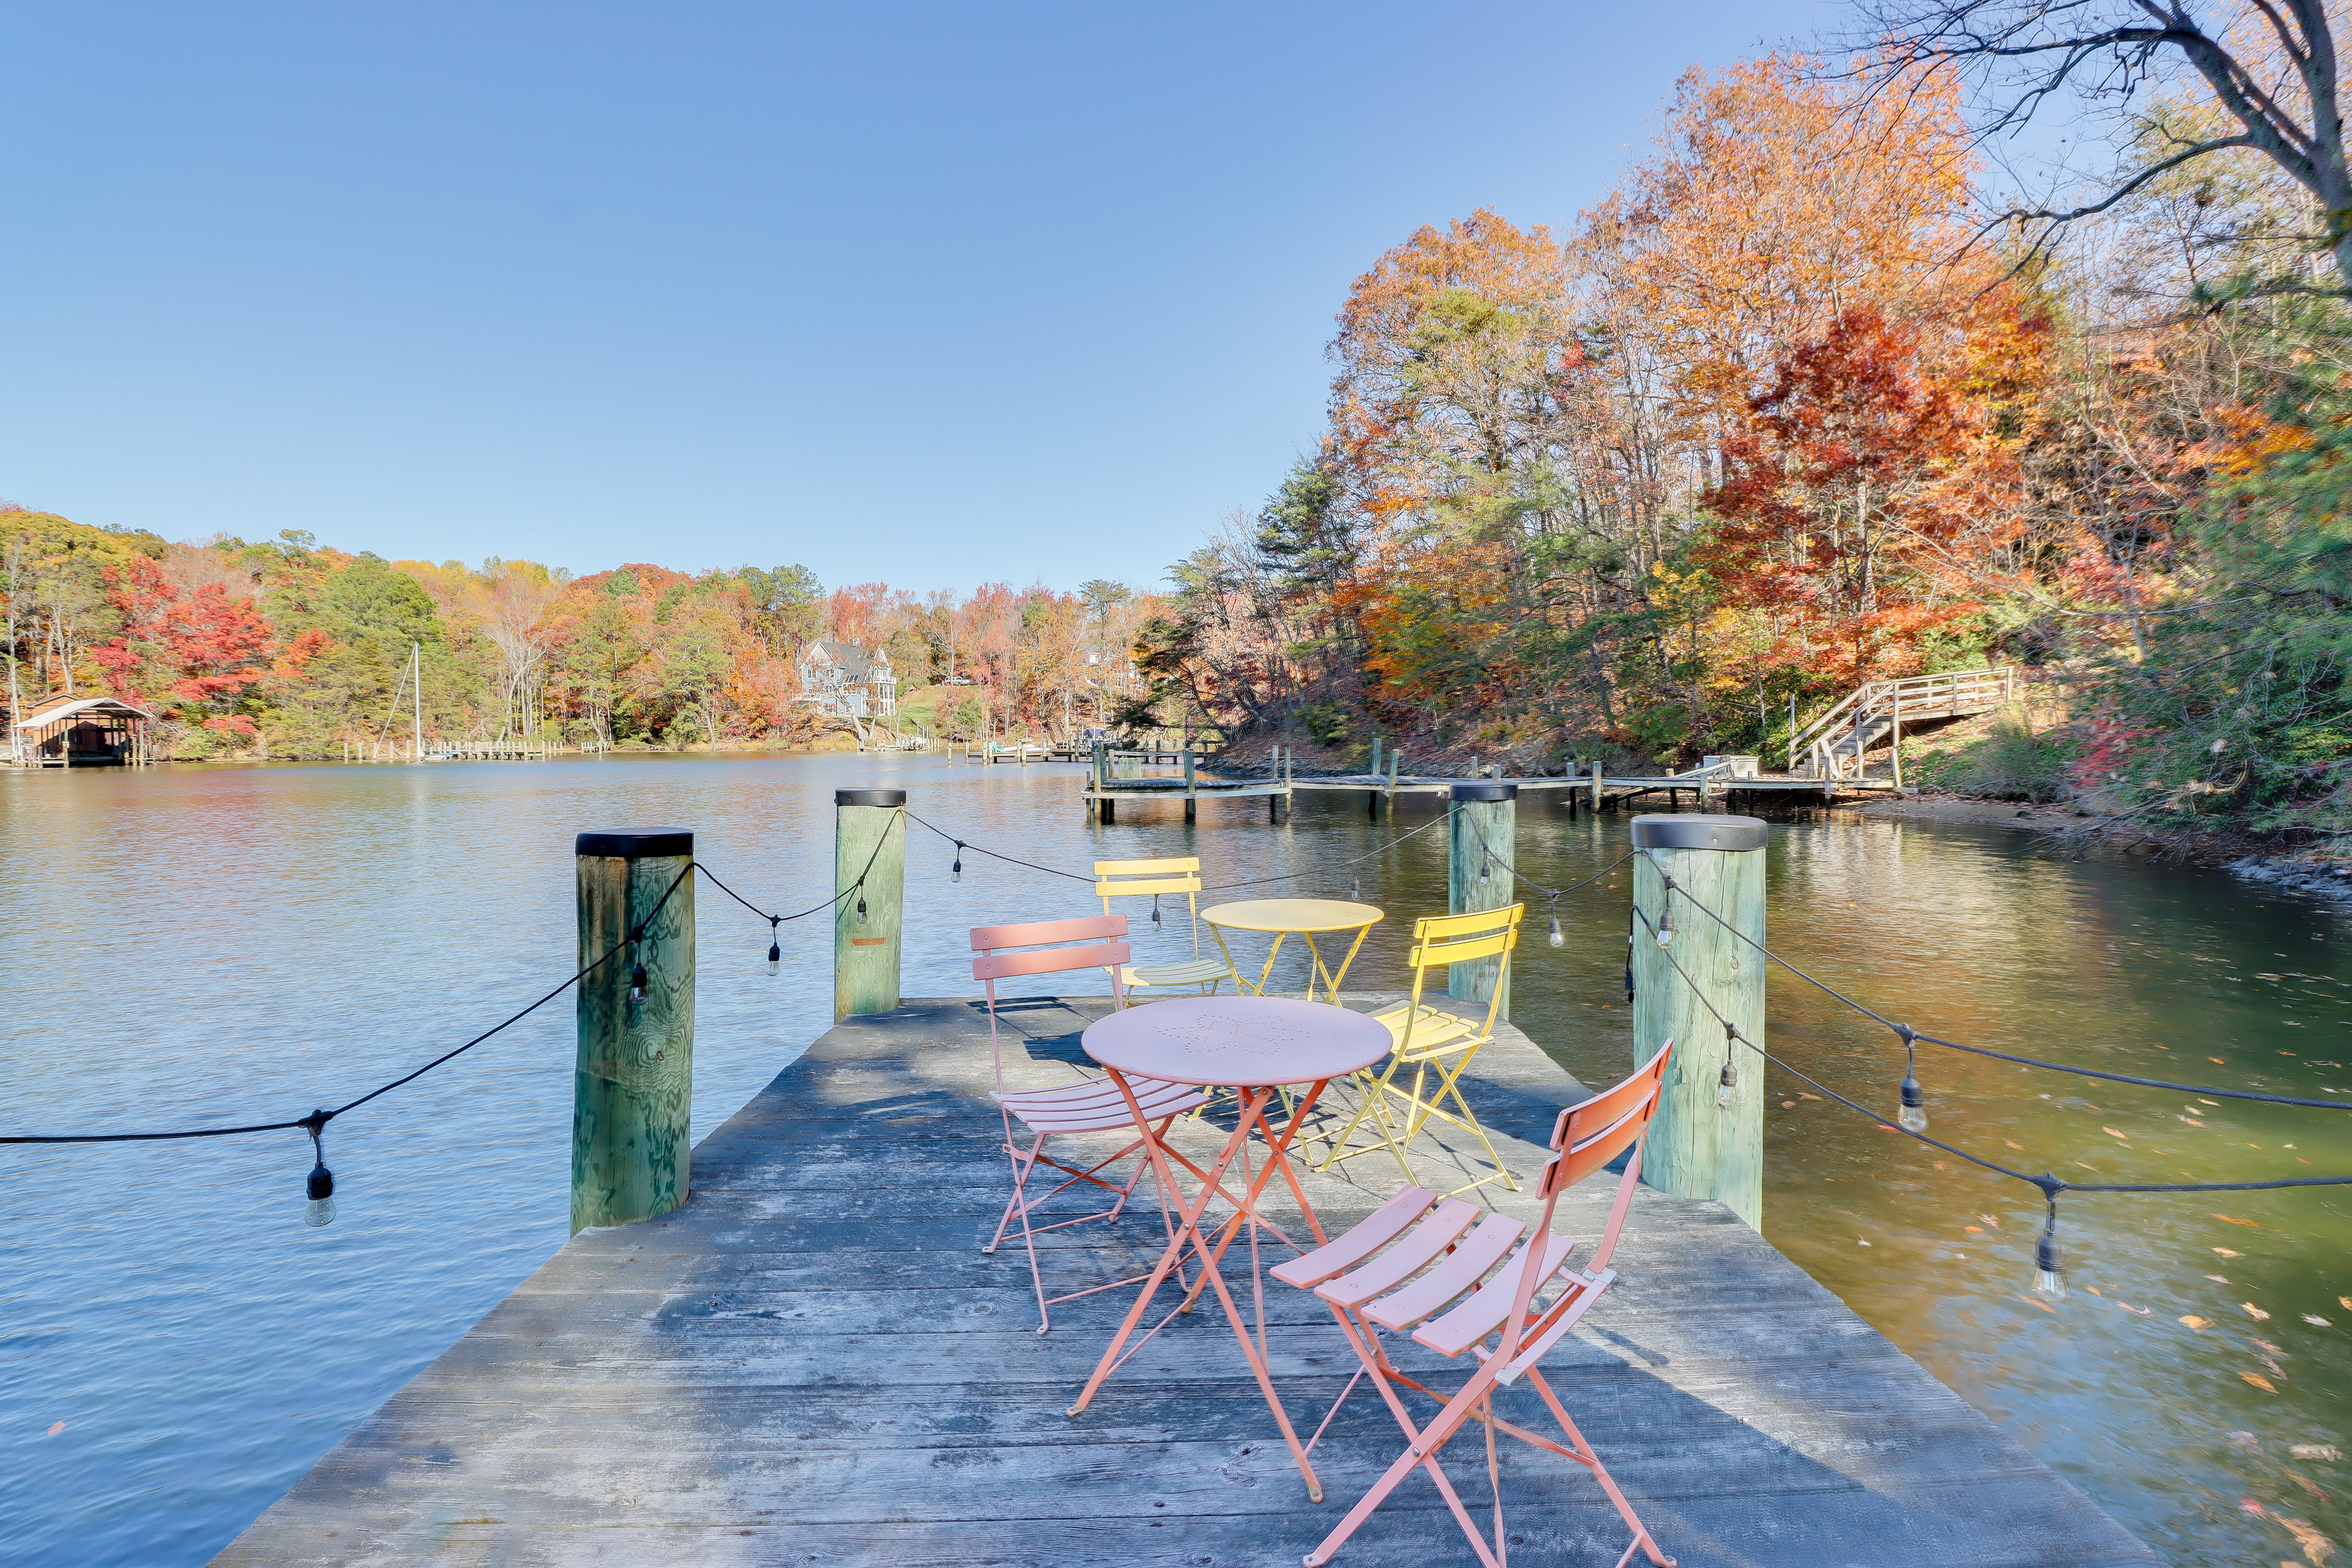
(60, 710)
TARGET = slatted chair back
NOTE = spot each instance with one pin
(1439, 940)
(1045, 947)
(1153, 879)
(1591, 1132)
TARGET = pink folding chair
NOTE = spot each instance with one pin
(1432, 1271)
(1093, 1105)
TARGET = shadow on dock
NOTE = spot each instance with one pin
(812, 1363)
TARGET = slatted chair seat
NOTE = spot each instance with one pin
(1156, 879)
(1432, 1268)
(1430, 1049)
(1209, 972)
(1092, 1105)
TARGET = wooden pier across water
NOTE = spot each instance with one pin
(812, 1362)
(1379, 791)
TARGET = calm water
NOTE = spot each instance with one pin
(187, 945)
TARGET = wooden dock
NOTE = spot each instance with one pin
(1379, 791)
(812, 1362)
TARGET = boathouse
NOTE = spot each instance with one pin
(80, 732)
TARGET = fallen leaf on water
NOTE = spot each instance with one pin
(2093, 1169)
(2256, 1313)
(2246, 1440)
(2200, 1324)
(2266, 1345)
(2192, 1121)
(2112, 1133)
(58, 1428)
(1787, 1105)
(2219, 1279)
(2314, 1546)
(2142, 1311)
(2259, 1382)
(1991, 1219)
(1802, 1095)
(2094, 1289)
(2315, 1320)
(2315, 1451)
(1973, 1229)
(2043, 1305)
(2012, 1144)
(2225, 1252)
(2345, 1302)
(2251, 1506)
(2217, 1061)
(2307, 1484)
(2233, 1219)
(1859, 1242)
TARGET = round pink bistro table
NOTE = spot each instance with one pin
(1255, 1045)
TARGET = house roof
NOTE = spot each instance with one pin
(59, 709)
(855, 662)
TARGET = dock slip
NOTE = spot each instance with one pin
(812, 1362)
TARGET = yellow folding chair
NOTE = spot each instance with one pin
(1156, 878)
(1435, 1045)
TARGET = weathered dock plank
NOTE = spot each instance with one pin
(812, 1362)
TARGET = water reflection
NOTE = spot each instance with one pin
(191, 944)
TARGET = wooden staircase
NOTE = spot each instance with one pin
(1833, 745)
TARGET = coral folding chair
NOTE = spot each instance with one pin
(1093, 1105)
(1430, 1047)
(1421, 1265)
(1176, 874)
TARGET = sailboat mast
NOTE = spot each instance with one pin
(416, 668)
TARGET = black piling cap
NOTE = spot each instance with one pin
(636, 844)
(1694, 831)
(869, 797)
(1484, 789)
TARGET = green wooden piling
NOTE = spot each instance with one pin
(869, 843)
(633, 1084)
(1481, 839)
(1709, 1140)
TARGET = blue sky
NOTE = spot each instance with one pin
(930, 294)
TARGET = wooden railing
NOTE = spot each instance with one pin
(1831, 745)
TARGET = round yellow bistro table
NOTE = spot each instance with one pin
(1303, 918)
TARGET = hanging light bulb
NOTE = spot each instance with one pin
(1725, 1082)
(1913, 1117)
(320, 1188)
(775, 948)
(1914, 1114)
(321, 1209)
(2048, 1263)
(636, 982)
(861, 909)
(1666, 927)
(1356, 890)
(1155, 911)
(955, 872)
(1555, 937)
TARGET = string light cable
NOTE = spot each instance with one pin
(319, 1185)
(1908, 1035)
(963, 844)
(775, 949)
(2049, 1272)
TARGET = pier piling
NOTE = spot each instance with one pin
(1481, 840)
(869, 841)
(1708, 1139)
(634, 1081)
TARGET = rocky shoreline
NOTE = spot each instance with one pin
(2069, 825)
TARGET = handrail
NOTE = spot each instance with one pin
(1860, 706)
